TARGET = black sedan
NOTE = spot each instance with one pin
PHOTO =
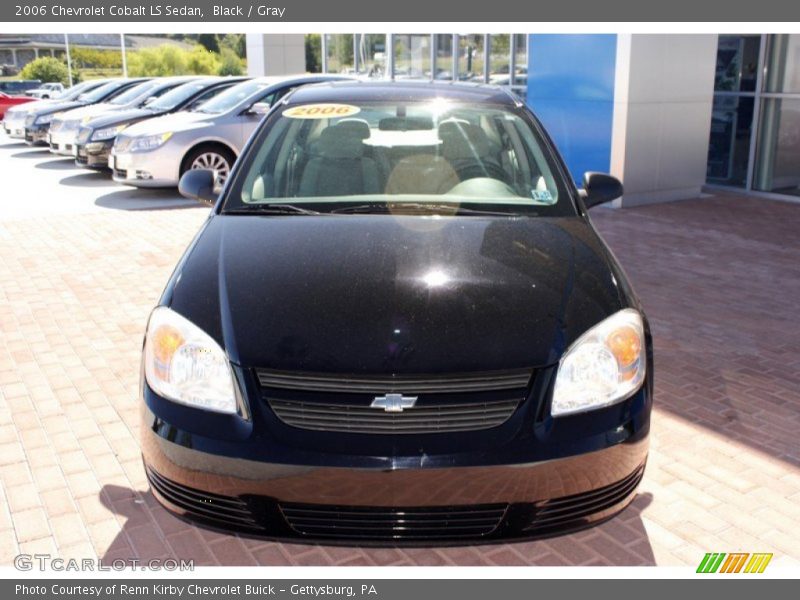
(96, 137)
(397, 325)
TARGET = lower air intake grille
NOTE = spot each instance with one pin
(437, 418)
(567, 511)
(316, 520)
(214, 508)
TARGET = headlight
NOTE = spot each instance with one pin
(605, 365)
(44, 119)
(149, 142)
(107, 133)
(184, 364)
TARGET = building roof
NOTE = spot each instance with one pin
(90, 40)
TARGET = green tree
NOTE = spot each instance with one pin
(230, 63)
(47, 69)
(202, 62)
(209, 41)
(313, 52)
(234, 41)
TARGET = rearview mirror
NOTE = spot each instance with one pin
(198, 184)
(599, 188)
(260, 108)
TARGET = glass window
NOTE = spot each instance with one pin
(737, 63)
(103, 91)
(521, 60)
(178, 95)
(500, 59)
(778, 158)
(412, 56)
(470, 57)
(371, 50)
(138, 93)
(444, 56)
(437, 155)
(729, 145)
(340, 53)
(783, 60)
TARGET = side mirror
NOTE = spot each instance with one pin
(260, 108)
(599, 188)
(198, 184)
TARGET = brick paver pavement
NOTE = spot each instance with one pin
(719, 276)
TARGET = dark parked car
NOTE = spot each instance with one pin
(96, 137)
(397, 325)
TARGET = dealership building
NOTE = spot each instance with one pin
(670, 115)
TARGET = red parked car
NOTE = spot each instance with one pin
(7, 102)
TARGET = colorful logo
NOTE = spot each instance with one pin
(735, 562)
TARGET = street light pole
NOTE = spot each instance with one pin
(69, 60)
(124, 55)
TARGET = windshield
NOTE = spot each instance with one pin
(231, 97)
(138, 92)
(80, 88)
(104, 90)
(178, 95)
(408, 155)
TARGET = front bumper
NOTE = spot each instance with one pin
(156, 168)
(62, 142)
(93, 155)
(527, 478)
(36, 135)
(15, 128)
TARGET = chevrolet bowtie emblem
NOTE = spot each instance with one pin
(393, 402)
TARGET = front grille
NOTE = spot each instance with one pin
(368, 523)
(412, 384)
(572, 511)
(437, 418)
(214, 508)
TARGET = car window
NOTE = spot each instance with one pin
(177, 95)
(96, 95)
(206, 96)
(233, 96)
(436, 152)
(137, 92)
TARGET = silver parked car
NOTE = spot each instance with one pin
(156, 152)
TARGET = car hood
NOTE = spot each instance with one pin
(118, 117)
(179, 121)
(86, 112)
(401, 295)
(55, 107)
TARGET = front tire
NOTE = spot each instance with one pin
(216, 158)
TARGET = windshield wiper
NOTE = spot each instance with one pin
(424, 207)
(271, 209)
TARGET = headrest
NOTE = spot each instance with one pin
(462, 141)
(341, 142)
(358, 127)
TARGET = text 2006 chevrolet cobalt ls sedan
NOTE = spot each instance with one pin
(398, 324)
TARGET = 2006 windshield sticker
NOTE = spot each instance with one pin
(321, 111)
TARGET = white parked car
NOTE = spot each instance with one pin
(46, 91)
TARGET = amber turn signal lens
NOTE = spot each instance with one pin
(165, 342)
(625, 344)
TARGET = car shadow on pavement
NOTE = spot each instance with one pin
(32, 153)
(145, 199)
(88, 179)
(58, 163)
(150, 532)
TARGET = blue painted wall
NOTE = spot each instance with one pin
(571, 90)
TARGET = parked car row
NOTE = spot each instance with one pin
(149, 131)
